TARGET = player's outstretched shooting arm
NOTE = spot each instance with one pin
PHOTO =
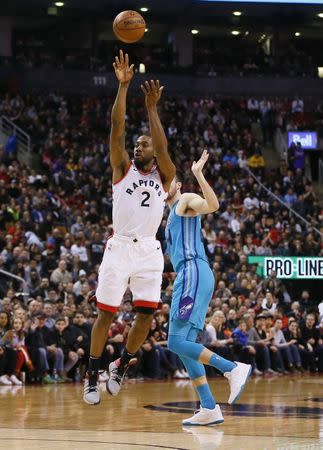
(191, 204)
(119, 158)
(153, 91)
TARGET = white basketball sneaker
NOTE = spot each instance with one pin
(15, 380)
(237, 379)
(103, 376)
(205, 417)
(5, 380)
(117, 375)
(91, 392)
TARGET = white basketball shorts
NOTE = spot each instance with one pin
(124, 258)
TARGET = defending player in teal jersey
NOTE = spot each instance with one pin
(193, 289)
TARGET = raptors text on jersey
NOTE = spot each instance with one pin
(138, 203)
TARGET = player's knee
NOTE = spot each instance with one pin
(174, 344)
(144, 318)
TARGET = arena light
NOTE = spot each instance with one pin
(142, 68)
(59, 4)
(320, 15)
(320, 72)
(237, 13)
(235, 32)
(297, 34)
(146, 30)
(144, 9)
(195, 31)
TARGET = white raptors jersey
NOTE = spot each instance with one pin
(138, 203)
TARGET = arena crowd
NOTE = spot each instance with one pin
(54, 222)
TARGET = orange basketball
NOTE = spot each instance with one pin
(129, 26)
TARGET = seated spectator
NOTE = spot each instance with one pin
(15, 339)
(269, 303)
(242, 348)
(258, 339)
(71, 340)
(49, 312)
(61, 274)
(219, 343)
(293, 332)
(8, 357)
(231, 323)
(78, 284)
(257, 161)
(289, 350)
(313, 340)
(40, 353)
(79, 249)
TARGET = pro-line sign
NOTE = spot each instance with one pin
(292, 267)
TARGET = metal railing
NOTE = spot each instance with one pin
(321, 171)
(290, 209)
(9, 128)
(11, 275)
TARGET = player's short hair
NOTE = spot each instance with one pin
(146, 135)
(179, 177)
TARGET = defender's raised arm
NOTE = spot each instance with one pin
(193, 202)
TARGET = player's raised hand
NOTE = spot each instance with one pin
(123, 71)
(152, 91)
(197, 167)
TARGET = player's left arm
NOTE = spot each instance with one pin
(192, 204)
(153, 91)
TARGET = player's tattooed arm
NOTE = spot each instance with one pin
(192, 204)
(153, 91)
(119, 157)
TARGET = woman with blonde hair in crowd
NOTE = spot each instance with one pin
(15, 340)
(8, 357)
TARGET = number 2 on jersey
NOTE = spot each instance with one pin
(145, 199)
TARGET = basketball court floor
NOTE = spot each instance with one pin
(273, 413)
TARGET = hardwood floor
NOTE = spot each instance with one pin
(273, 413)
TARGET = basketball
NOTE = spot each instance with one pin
(129, 26)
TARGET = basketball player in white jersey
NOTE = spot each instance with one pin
(139, 193)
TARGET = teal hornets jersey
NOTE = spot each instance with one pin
(184, 239)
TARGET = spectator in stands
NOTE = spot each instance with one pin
(77, 287)
(70, 340)
(289, 350)
(257, 162)
(297, 105)
(8, 357)
(269, 303)
(242, 348)
(41, 354)
(219, 342)
(79, 249)
(61, 274)
(313, 340)
(293, 333)
(69, 200)
(257, 338)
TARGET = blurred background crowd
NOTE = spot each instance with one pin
(54, 222)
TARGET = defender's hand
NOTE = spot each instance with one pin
(197, 167)
(123, 72)
(152, 91)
